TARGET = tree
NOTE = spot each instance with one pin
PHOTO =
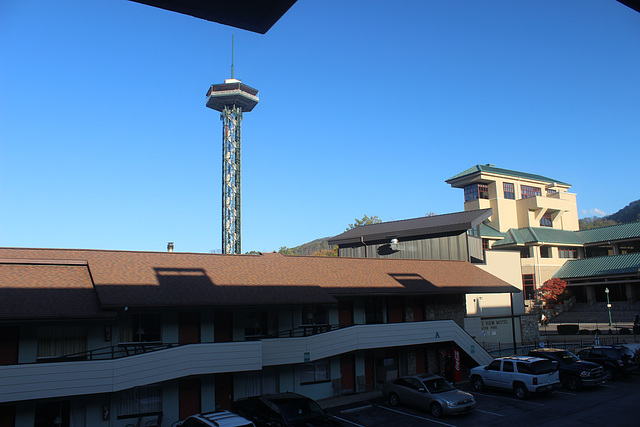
(285, 251)
(366, 220)
(327, 252)
(552, 289)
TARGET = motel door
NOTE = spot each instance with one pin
(189, 397)
(345, 313)
(348, 372)
(224, 391)
(188, 328)
(223, 326)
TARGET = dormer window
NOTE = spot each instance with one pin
(476, 191)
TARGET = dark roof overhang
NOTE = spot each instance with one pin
(448, 224)
(251, 15)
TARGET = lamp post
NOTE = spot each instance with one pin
(606, 291)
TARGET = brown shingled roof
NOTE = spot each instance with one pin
(47, 291)
(163, 279)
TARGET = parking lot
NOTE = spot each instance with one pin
(614, 404)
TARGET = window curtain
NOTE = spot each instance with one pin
(140, 400)
(54, 341)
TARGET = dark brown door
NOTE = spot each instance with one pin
(395, 310)
(421, 366)
(223, 326)
(188, 328)
(189, 397)
(9, 341)
(7, 416)
(348, 373)
(224, 391)
(369, 368)
(345, 313)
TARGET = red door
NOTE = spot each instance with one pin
(369, 368)
(224, 391)
(223, 326)
(189, 397)
(348, 373)
(345, 313)
(188, 328)
(394, 310)
(420, 360)
(9, 341)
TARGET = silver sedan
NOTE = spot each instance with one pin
(430, 392)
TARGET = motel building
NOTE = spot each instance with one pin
(112, 338)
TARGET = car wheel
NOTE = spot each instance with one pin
(393, 399)
(477, 383)
(436, 410)
(608, 373)
(573, 383)
(520, 391)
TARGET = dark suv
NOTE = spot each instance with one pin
(574, 373)
(615, 359)
(283, 410)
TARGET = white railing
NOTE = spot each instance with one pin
(47, 380)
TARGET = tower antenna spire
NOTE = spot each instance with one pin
(231, 55)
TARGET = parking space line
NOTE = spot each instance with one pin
(416, 416)
(490, 413)
(347, 421)
(509, 398)
(566, 392)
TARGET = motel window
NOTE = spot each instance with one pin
(140, 400)
(546, 220)
(509, 190)
(568, 252)
(314, 372)
(314, 315)
(57, 341)
(256, 324)
(525, 253)
(476, 191)
(529, 284)
(141, 328)
(551, 191)
(528, 191)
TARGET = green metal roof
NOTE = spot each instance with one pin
(538, 235)
(506, 172)
(613, 232)
(600, 266)
(487, 231)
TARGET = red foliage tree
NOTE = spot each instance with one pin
(552, 289)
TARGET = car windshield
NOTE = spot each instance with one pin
(437, 385)
(568, 357)
(296, 410)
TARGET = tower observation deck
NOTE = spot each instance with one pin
(231, 98)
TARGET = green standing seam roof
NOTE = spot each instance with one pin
(488, 231)
(600, 266)
(613, 232)
(533, 235)
(506, 172)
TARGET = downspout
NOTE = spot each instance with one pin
(365, 246)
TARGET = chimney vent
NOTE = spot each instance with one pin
(170, 247)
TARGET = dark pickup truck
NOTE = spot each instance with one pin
(574, 372)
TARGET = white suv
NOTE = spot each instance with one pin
(215, 419)
(521, 374)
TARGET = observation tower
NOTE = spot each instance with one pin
(232, 98)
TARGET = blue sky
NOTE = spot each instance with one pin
(366, 107)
